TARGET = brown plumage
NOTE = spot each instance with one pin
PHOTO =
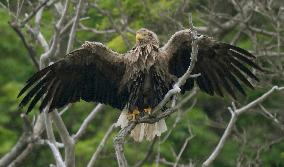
(141, 77)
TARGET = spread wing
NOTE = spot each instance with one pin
(223, 67)
(91, 73)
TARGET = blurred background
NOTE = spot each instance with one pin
(256, 25)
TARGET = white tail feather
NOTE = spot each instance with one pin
(143, 130)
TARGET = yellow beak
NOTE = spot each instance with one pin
(138, 37)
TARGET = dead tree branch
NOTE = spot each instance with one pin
(75, 25)
(234, 116)
(87, 121)
(101, 146)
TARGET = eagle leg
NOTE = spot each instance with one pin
(148, 110)
(132, 115)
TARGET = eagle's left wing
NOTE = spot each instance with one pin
(91, 73)
(222, 66)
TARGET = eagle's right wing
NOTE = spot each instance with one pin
(223, 67)
(92, 73)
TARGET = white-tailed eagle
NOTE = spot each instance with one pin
(139, 79)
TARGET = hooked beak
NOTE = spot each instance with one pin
(139, 37)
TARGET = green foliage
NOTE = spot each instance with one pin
(16, 67)
(8, 138)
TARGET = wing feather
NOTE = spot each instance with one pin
(91, 73)
(214, 78)
(244, 59)
(243, 68)
(37, 97)
(222, 66)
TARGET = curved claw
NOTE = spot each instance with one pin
(131, 116)
(148, 110)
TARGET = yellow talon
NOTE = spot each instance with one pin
(133, 115)
(148, 110)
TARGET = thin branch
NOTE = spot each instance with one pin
(87, 121)
(271, 116)
(234, 115)
(74, 26)
(118, 28)
(21, 144)
(31, 50)
(56, 154)
(119, 142)
(51, 138)
(182, 150)
(33, 13)
(16, 150)
(22, 156)
(66, 139)
(83, 27)
(101, 146)
(259, 100)
(45, 56)
(150, 150)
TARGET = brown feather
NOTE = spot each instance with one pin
(244, 59)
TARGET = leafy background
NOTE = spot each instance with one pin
(206, 120)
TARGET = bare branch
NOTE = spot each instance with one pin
(20, 145)
(16, 150)
(66, 139)
(45, 56)
(56, 154)
(23, 155)
(95, 30)
(234, 115)
(51, 139)
(271, 116)
(74, 26)
(32, 52)
(87, 121)
(150, 150)
(33, 13)
(182, 150)
(101, 146)
(119, 142)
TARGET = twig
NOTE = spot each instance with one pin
(150, 150)
(45, 56)
(33, 13)
(16, 150)
(21, 144)
(182, 150)
(234, 115)
(31, 50)
(87, 121)
(20, 158)
(51, 138)
(56, 154)
(83, 27)
(116, 26)
(168, 163)
(74, 26)
(101, 146)
(66, 139)
(271, 116)
(119, 142)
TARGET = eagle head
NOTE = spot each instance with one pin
(145, 36)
